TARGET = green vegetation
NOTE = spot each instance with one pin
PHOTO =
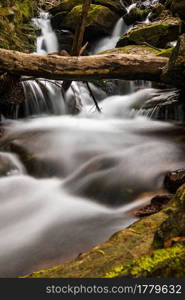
(16, 31)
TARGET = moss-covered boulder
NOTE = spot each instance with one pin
(174, 226)
(161, 263)
(16, 30)
(136, 15)
(140, 50)
(157, 34)
(175, 71)
(100, 19)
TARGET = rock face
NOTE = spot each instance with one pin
(16, 31)
(100, 19)
(158, 34)
(175, 71)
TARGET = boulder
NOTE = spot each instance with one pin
(68, 5)
(175, 71)
(158, 34)
(100, 19)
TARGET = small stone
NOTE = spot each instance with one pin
(157, 203)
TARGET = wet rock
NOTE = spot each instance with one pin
(157, 203)
(175, 71)
(100, 19)
(158, 34)
(65, 39)
(135, 15)
(173, 180)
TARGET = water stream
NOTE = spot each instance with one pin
(71, 181)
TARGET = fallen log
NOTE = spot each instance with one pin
(109, 66)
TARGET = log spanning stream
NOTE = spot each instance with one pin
(70, 181)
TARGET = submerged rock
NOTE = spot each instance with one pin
(157, 203)
(158, 34)
(100, 19)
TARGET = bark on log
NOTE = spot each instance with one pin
(109, 66)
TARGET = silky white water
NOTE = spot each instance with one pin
(70, 182)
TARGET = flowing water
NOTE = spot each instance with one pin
(69, 182)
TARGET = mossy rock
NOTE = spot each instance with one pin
(158, 34)
(100, 19)
(16, 31)
(174, 226)
(140, 50)
(175, 71)
(162, 263)
(68, 5)
(136, 15)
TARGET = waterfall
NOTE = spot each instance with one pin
(44, 96)
(110, 42)
(47, 42)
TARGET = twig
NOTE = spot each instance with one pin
(93, 97)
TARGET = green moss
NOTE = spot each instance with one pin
(100, 18)
(157, 34)
(169, 262)
(165, 52)
(16, 33)
(140, 50)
